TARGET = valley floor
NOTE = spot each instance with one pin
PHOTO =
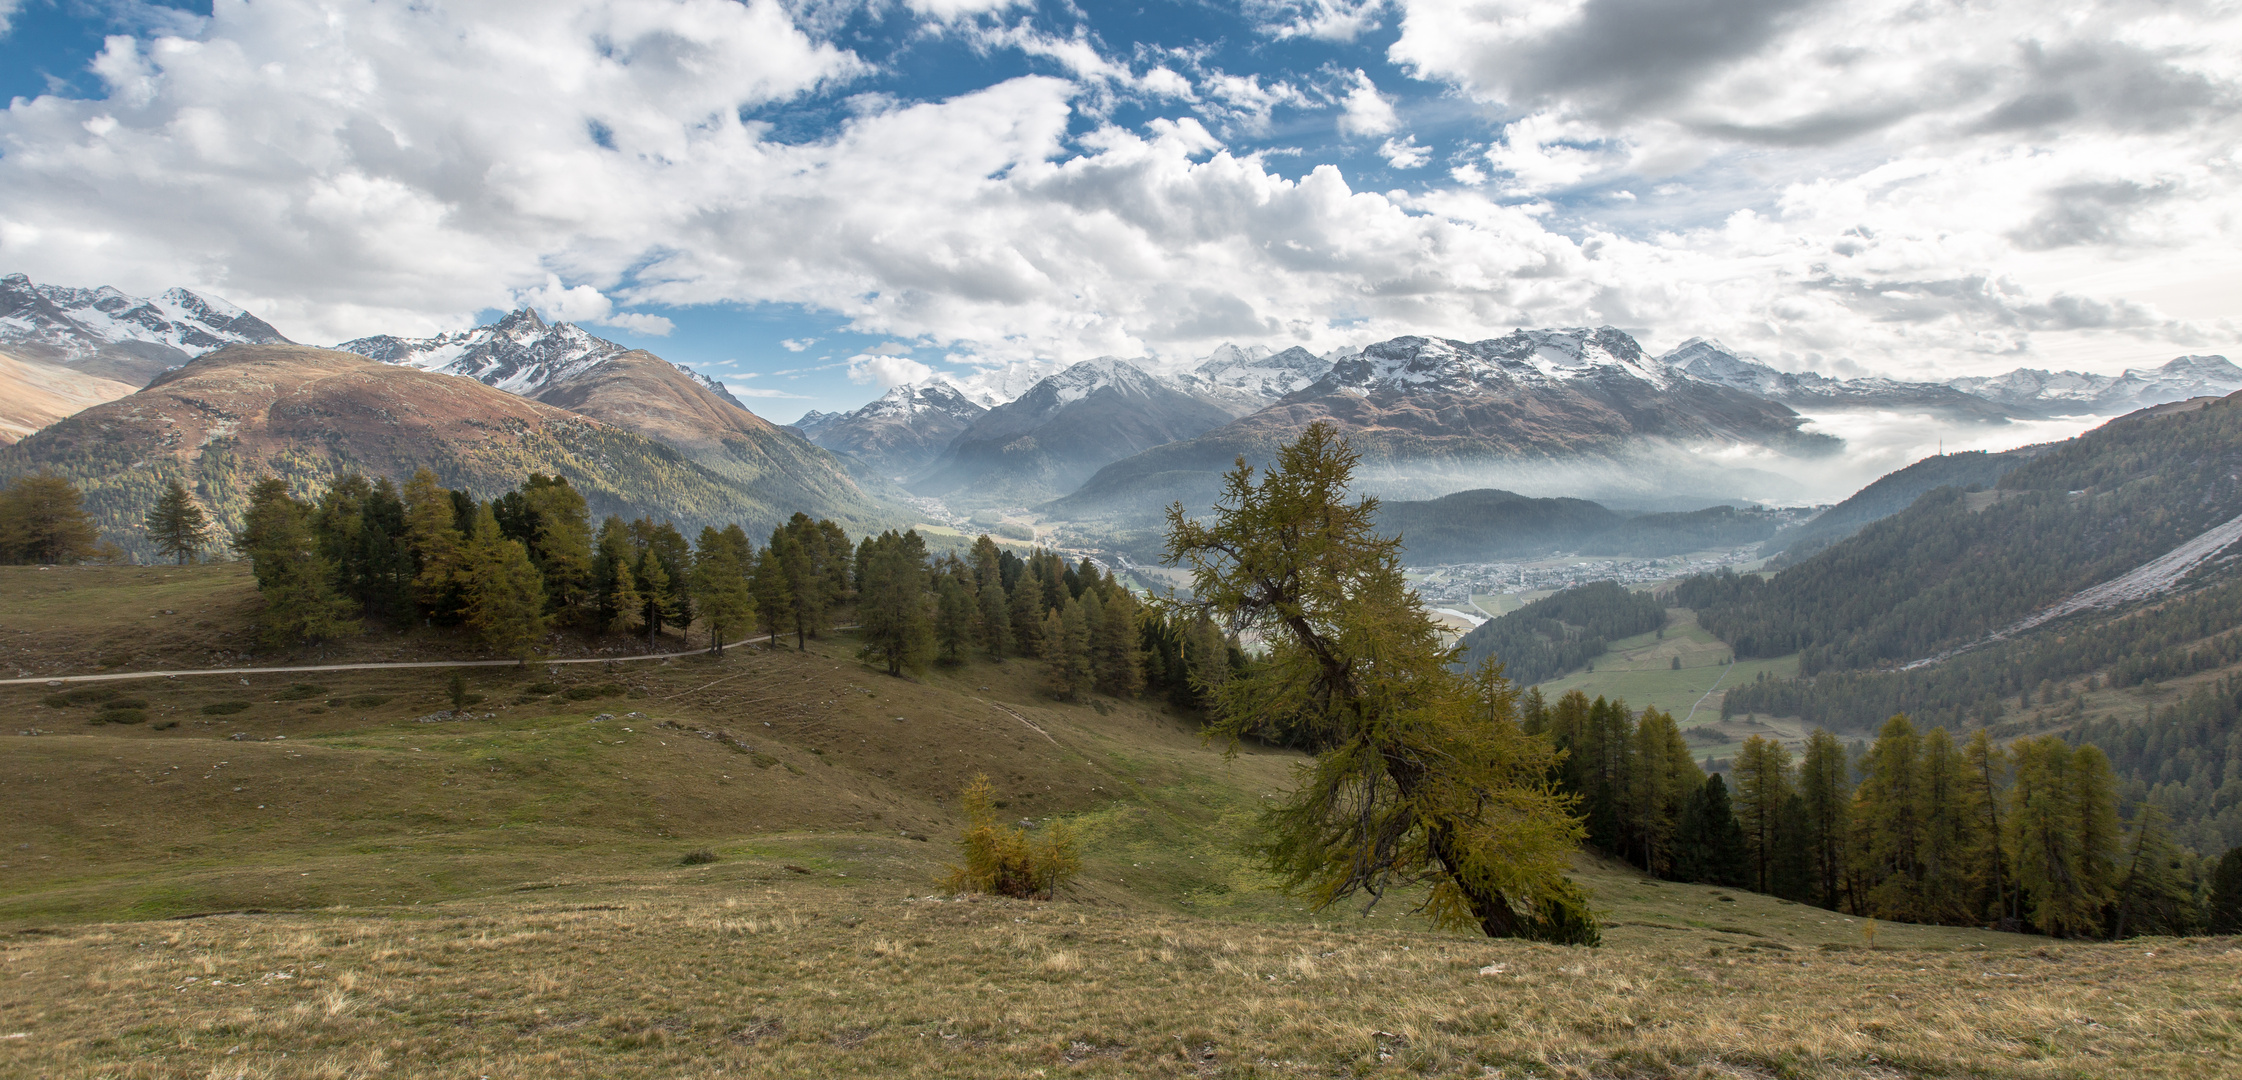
(274, 877)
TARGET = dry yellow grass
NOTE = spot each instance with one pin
(731, 975)
(503, 897)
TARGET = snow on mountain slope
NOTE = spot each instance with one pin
(1711, 362)
(2078, 392)
(521, 354)
(115, 335)
(899, 432)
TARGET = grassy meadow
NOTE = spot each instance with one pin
(318, 876)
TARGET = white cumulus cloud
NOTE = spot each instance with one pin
(313, 161)
(888, 372)
(1364, 111)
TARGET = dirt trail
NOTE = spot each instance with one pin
(390, 666)
(2142, 582)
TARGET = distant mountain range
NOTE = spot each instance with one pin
(2022, 392)
(1545, 412)
(1107, 443)
(128, 339)
(1050, 439)
(899, 433)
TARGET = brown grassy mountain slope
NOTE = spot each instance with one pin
(638, 391)
(35, 394)
(308, 415)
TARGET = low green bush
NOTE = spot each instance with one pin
(299, 692)
(224, 708)
(122, 716)
(125, 703)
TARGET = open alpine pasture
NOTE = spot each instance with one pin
(325, 876)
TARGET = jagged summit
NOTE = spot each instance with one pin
(900, 431)
(2024, 391)
(520, 354)
(2072, 391)
(110, 333)
(1260, 372)
(1522, 358)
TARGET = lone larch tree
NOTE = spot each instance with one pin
(1422, 776)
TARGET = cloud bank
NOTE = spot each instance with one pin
(1916, 189)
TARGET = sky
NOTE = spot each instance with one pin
(817, 199)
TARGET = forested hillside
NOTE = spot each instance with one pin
(1894, 492)
(1489, 524)
(1957, 566)
(1561, 632)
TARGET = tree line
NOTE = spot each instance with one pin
(517, 567)
(1915, 828)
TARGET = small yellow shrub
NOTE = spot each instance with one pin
(1004, 861)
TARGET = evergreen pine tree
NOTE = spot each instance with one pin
(720, 585)
(1792, 870)
(176, 524)
(1762, 786)
(993, 618)
(1116, 648)
(2223, 913)
(1827, 796)
(1889, 828)
(2061, 840)
(2156, 888)
(954, 617)
(433, 538)
(505, 594)
(1066, 651)
(42, 522)
(892, 610)
(1949, 891)
(614, 578)
(296, 583)
(1985, 767)
(1027, 611)
(1712, 842)
(773, 603)
(654, 591)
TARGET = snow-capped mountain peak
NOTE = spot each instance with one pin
(1256, 369)
(1538, 358)
(69, 325)
(2080, 392)
(521, 354)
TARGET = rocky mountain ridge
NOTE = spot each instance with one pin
(111, 334)
(899, 432)
(520, 354)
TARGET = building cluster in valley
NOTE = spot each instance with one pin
(1454, 585)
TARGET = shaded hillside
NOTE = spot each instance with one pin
(1067, 427)
(1575, 411)
(1561, 632)
(640, 392)
(1490, 525)
(308, 414)
(1954, 566)
(1894, 491)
